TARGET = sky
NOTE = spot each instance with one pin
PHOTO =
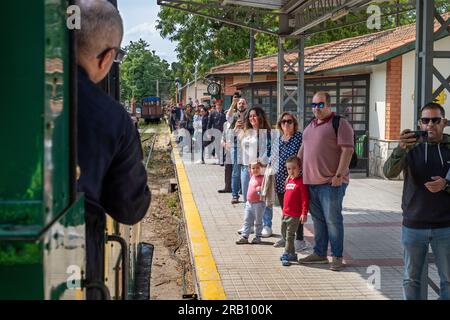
(139, 18)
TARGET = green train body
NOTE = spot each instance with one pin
(42, 228)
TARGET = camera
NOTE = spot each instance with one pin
(419, 134)
(236, 94)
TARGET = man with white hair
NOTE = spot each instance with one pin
(113, 177)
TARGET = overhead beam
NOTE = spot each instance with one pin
(361, 14)
(314, 12)
(292, 5)
(241, 16)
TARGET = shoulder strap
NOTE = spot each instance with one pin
(335, 121)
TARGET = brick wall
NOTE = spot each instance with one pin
(393, 98)
(228, 90)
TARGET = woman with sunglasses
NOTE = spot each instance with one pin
(289, 143)
(255, 124)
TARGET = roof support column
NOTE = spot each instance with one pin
(301, 82)
(291, 90)
(425, 55)
(280, 77)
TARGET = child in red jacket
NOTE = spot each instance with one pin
(295, 208)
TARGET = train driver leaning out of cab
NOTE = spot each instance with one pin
(113, 177)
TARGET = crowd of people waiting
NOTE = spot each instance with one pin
(263, 163)
(309, 173)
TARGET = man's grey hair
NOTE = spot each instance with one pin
(101, 27)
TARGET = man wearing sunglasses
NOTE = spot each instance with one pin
(326, 153)
(112, 177)
(425, 161)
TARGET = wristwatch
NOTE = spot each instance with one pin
(338, 175)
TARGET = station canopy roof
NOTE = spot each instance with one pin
(293, 17)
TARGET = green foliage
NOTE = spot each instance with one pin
(212, 43)
(201, 40)
(15, 253)
(172, 201)
(140, 70)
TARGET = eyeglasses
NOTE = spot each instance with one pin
(436, 120)
(319, 105)
(288, 121)
(120, 54)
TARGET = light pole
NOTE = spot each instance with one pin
(177, 84)
(196, 69)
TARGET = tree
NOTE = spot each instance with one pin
(211, 43)
(140, 70)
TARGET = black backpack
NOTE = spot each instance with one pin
(335, 122)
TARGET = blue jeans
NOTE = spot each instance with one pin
(236, 175)
(236, 180)
(415, 257)
(245, 179)
(325, 205)
(267, 218)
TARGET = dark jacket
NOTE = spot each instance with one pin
(216, 120)
(422, 209)
(113, 177)
(174, 114)
(205, 122)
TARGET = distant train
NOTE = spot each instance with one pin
(151, 109)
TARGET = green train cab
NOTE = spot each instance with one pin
(42, 226)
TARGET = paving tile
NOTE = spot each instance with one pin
(372, 218)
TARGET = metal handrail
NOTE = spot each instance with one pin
(125, 263)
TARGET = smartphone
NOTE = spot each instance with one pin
(420, 134)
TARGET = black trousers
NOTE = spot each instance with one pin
(299, 233)
(228, 174)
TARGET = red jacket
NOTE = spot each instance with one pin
(296, 198)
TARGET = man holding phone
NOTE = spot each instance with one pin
(425, 161)
(235, 117)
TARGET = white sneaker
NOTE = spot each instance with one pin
(266, 232)
(280, 244)
(301, 245)
(252, 230)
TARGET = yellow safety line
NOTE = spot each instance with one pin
(208, 277)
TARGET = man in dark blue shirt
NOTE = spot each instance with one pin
(113, 177)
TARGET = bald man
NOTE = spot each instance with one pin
(326, 153)
(113, 177)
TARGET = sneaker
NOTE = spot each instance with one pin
(252, 230)
(301, 245)
(242, 240)
(266, 232)
(313, 258)
(336, 264)
(285, 263)
(280, 244)
(256, 240)
(287, 258)
(234, 200)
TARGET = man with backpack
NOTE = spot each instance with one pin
(326, 153)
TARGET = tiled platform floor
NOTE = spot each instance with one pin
(372, 243)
